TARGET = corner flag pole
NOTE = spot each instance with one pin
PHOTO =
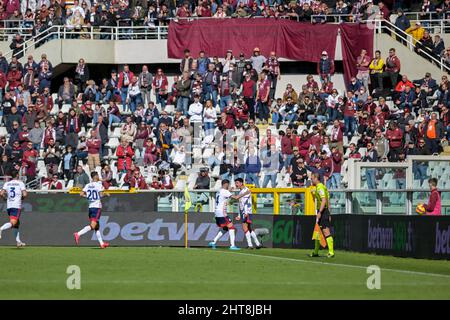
(187, 205)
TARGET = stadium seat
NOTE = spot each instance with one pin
(113, 143)
(65, 108)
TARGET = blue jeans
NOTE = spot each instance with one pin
(292, 117)
(209, 127)
(252, 178)
(332, 114)
(262, 110)
(183, 105)
(335, 181)
(211, 94)
(313, 118)
(224, 102)
(276, 117)
(134, 102)
(272, 178)
(371, 179)
(123, 96)
(109, 95)
(349, 126)
(287, 162)
(113, 119)
(420, 172)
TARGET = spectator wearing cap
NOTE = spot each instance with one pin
(402, 22)
(325, 68)
(416, 32)
(257, 60)
(227, 61)
(227, 88)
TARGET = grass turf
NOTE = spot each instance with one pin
(200, 273)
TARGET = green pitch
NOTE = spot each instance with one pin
(177, 273)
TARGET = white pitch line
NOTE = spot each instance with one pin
(330, 264)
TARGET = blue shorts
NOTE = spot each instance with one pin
(246, 219)
(223, 221)
(94, 214)
(13, 213)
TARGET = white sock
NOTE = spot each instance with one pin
(255, 238)
(99, 237)
(6, 226)
(17, 234)
(249, 239)
(232, 236)
(84, 230)
(218, 236)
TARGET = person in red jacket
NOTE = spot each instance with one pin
(125, 154)
(137, 181)
(304, 144)
(395, 136)
(14, 77)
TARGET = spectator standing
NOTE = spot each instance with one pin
(93, 144)
(325, 68)
(145, 85)
(371, 156)
(362, 65)
(257, 60)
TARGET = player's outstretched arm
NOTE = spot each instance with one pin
(83, 194)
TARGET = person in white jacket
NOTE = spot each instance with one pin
(209, 118)
(195, 111)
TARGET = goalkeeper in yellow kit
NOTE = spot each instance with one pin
(323, 218)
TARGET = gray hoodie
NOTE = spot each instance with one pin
(36, 134)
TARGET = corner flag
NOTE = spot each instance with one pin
(187, 200)
(318, 235)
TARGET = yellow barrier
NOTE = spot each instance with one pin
(309, 204)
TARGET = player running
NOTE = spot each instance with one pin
(222, 220)
(14, 191)
(323, 218)
(93, 192)
(245, 213)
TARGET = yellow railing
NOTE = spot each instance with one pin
(309, 205)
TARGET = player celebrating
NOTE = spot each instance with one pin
(245, 213)
(93, 192)
(14, 191)
(222, 220)
(323, 218)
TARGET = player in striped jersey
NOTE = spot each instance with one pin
(245, 213)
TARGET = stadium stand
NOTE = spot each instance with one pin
(143, 129)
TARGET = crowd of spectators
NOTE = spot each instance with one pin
(228, 104)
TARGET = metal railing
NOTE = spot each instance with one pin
(342, 201)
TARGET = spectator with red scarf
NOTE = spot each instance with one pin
(124, 81)
(262, 97)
